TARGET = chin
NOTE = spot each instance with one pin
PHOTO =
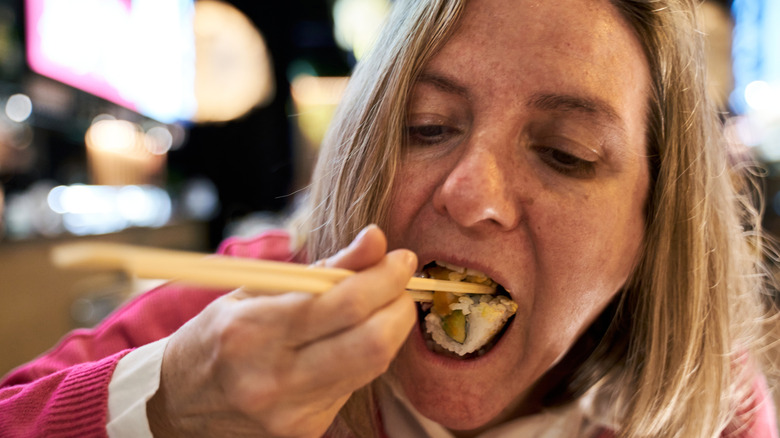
(462, 393)
(457, 412)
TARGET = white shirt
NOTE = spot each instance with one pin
(137, 378)
(401, 419)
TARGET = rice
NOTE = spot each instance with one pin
(485, 316)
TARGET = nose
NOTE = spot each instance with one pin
(479, 191)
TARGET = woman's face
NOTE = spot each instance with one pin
(526, 160)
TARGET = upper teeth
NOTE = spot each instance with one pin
(461, 269)
(459, 273)
(451, 267)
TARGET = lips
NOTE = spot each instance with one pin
(460, 326)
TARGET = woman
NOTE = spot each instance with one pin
(566, 150)
(647, 185)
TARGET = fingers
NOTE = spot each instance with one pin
(356, 298)
(323, 374)
(279, 360)
(379, 280)
(354, 357)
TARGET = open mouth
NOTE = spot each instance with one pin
(463, 326)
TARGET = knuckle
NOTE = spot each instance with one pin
(248, 326)
(231, 336)
(379, 349)
(254, 393)
(355, 309)
(293, 422)
(281, 427)
(226, 346)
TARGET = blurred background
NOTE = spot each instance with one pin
(177, 123)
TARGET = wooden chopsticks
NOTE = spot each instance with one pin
(264, 276)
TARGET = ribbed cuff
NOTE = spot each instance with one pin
(80, 406)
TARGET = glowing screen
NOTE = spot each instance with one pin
(136, 53)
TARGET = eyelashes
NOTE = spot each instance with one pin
(557, 158)
(566, 163)
(429, 134)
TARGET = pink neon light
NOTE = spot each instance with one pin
(90, 82)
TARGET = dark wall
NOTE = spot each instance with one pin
(250, 160)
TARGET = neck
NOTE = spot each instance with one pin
(554, 388)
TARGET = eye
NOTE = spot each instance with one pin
(429, 134)
(566, 163)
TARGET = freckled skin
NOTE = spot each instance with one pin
(493, 192)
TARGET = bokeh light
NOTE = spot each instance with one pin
(234, 71)
(356, 23)
(18, 107)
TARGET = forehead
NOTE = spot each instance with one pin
(586, 28)
(511, 50)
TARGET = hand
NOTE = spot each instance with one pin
(283, 366)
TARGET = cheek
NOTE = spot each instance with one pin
(410, 193)
(604, 232)
(601, 248)
(586, 257)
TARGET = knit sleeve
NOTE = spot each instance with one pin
(64, 392)
(68, 403)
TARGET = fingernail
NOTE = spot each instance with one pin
(362, 234)
(411, 259)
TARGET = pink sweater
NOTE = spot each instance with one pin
(64, 392)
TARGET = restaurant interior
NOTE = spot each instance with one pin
(178, 123)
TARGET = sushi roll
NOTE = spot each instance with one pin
(464, 323)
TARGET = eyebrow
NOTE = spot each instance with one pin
(571, 103)
(443, 83)
(541, 101)
(587, 105)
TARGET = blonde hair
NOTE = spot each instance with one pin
(697, 299)
(356, 165)
(677, 348)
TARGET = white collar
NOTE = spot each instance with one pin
(402, 420)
